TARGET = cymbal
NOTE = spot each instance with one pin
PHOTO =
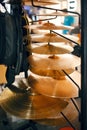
(51, 49)
(56, 74)
(54, 62)
(57, 13)
(70, 112)
(62, 88)
(3, 69)
(49, 26)
(50, 37)
(28, 106)
(61, 44)
(40, 2)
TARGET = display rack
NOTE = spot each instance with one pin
(83, 92)
(80, 91)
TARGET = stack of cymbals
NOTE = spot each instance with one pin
(49, 85)
(43, 33)
(49, 64)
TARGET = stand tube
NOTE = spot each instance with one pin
(84, 65)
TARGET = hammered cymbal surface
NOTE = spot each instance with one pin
(28, 106)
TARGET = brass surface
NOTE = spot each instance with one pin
(49, 26)
(40, 2)
(57, 88)
(51, 49)
(70, 112)
(28, 106)
(57, 62)
(56, 74)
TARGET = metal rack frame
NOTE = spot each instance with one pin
(83, 65)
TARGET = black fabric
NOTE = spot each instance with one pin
(8, 39)
(13, 51)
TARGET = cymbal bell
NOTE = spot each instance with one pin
(28, 106)
(69, 112)
(62, 88)
(51, 49)
(54, 62)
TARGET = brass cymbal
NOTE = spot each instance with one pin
(56, 74)
(57, 62)
(49, 26)
(36, 2)
(57, 13)
(69, 112)
(28, 106)
(62, 88)
(40, 2)
(51, 49)
(50, 37)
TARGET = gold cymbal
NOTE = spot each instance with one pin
(57, 62)
(62, 88)
(40, 2)
(28, 106)
(56, 74)
(51, 49)
(57, 13)
(70, 112)
(49, 26)
(50, 37)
